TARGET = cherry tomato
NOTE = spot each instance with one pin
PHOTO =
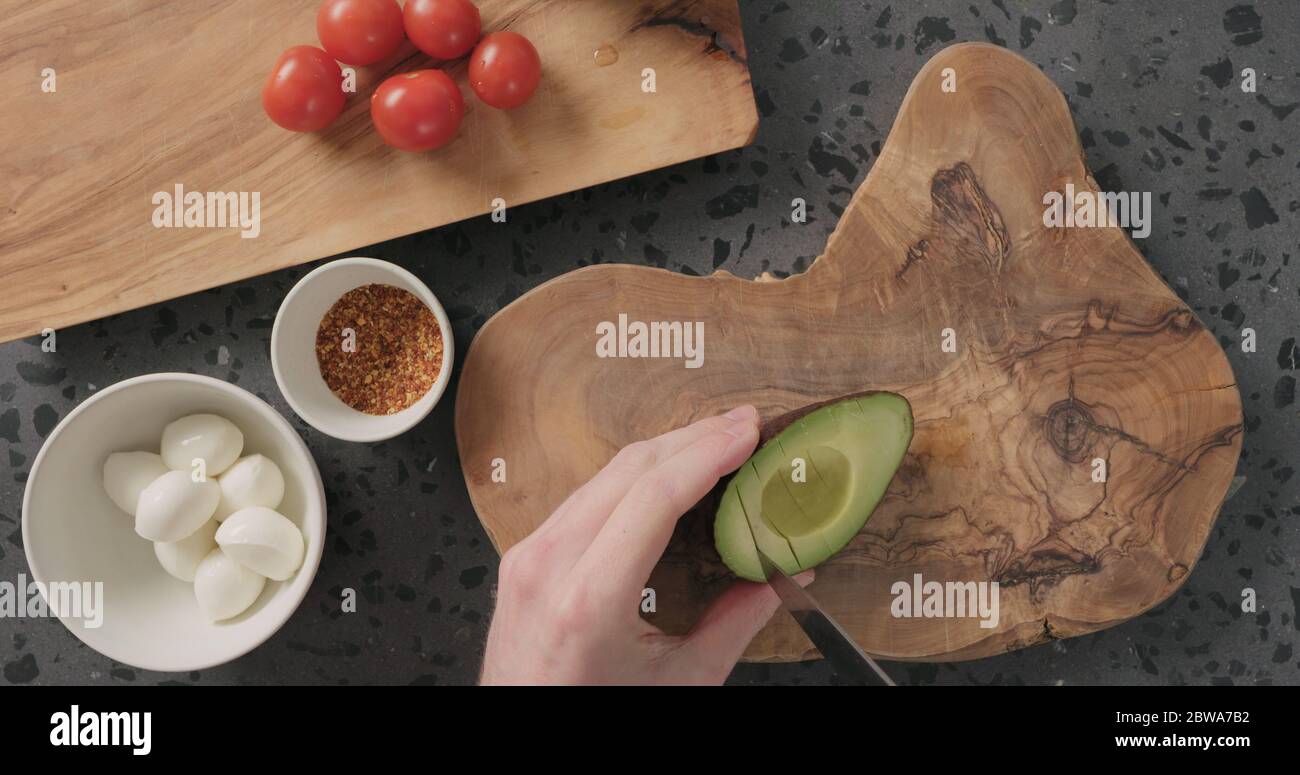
(359, 32)
(504, 70)
(443, 29)
(417, 111)
(304, 92)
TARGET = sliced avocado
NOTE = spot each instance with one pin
(778, 507)
(749, 500)
(732, 534)
(808, 491)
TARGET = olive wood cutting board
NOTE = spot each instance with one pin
(150, 94)
(1068, 349)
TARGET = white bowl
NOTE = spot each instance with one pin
(72, 531)
(293, 350)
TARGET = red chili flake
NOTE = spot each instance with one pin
(379, 348)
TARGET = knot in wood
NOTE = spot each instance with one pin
(1070, 430)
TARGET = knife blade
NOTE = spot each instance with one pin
(845, 655)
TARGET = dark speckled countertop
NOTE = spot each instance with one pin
(1154, 87)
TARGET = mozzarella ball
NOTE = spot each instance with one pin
(213, 439)
(262, 540)
(224, 588)
(173, 506)
(181, 558)
(252, 481)
(126, 474)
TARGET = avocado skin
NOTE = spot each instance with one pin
(882, 442)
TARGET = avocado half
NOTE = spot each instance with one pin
(812, 486)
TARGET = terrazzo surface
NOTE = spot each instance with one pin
(1154, 88)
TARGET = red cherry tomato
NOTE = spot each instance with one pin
(417, 111)
(359, 32)
(504, 70)
(443, 29)
(304, 92)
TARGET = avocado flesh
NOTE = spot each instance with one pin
(807, 492)
(742, 490)
(736, 539)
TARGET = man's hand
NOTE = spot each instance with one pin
(570, 593)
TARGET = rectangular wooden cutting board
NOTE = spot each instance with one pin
(108, 104)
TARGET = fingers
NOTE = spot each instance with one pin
(720, 637)
(620, 558)
(574, 525)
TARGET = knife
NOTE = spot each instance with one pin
(848, 659)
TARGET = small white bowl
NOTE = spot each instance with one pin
(293, 350)
(72, 531)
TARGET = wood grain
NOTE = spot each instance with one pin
(152, 93)
(1069, 348)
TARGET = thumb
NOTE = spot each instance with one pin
(720, 637)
